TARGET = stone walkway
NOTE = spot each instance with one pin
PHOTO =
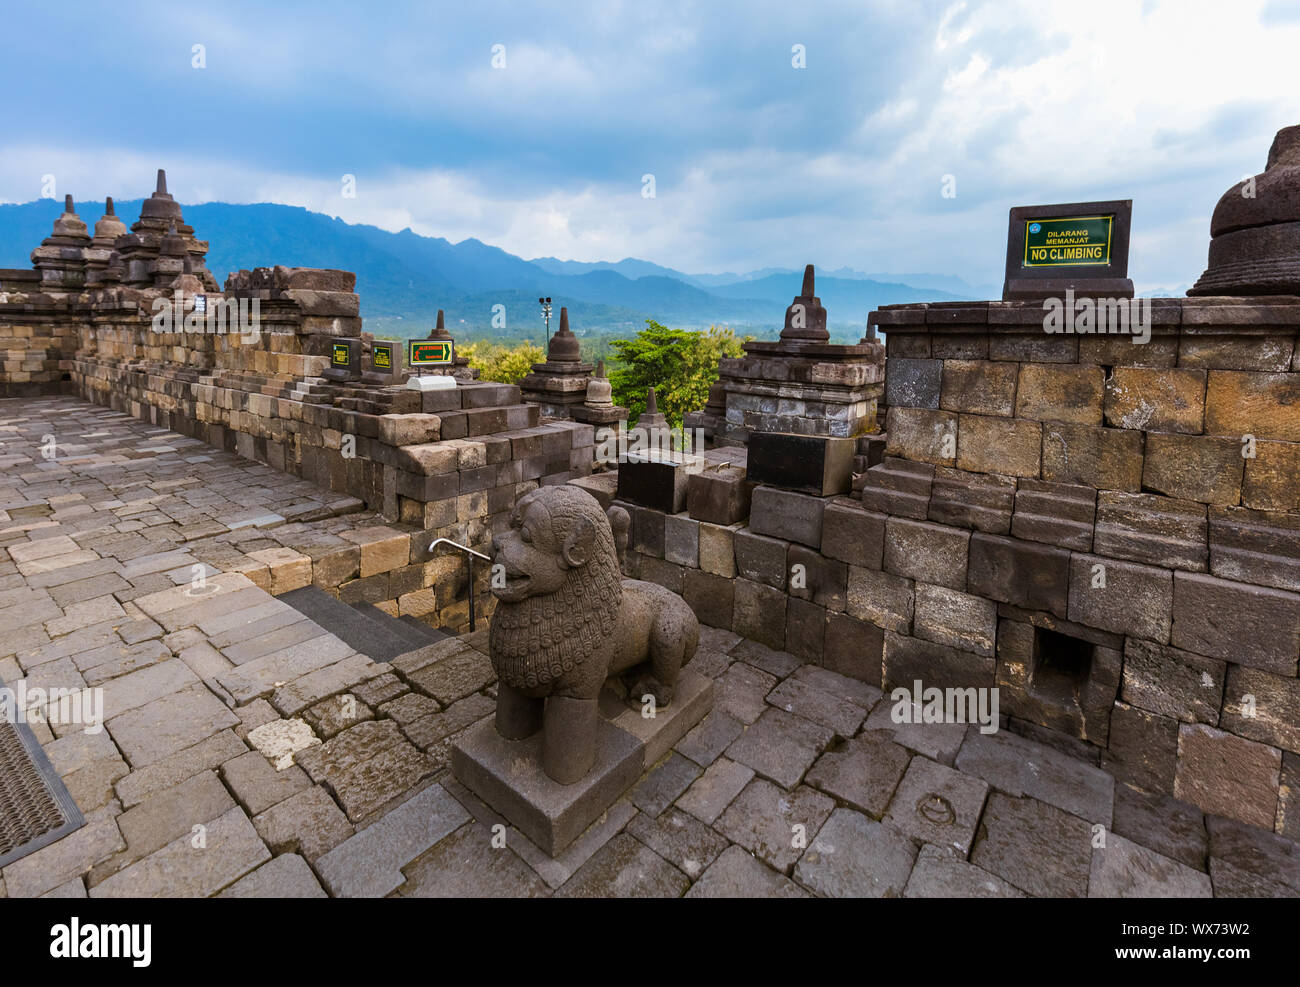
(247, 751)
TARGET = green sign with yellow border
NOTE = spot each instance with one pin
(1077, 241)
(381, 356)
(340, 355)
(430, 352)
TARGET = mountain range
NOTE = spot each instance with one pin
(403, 278)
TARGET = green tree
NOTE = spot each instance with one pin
(505, 364)
(680, 364)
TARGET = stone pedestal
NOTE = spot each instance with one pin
(558, 386)
(385, 364)
(801, 384)
(656, 480)
(820, 465)
(719, 494)
(345, 360)
(507, 774)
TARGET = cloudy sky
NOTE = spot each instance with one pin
(756, 162)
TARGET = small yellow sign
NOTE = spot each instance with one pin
(340, 355)
(381, 357)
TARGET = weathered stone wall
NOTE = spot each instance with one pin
(437, 464)
(37, 331)
(1093, 542)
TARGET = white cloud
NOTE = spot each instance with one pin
(1030, 101)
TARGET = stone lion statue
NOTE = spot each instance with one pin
(566, 620)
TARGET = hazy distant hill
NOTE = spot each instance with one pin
(403, 278)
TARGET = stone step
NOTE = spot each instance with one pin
(367, 629)
(428, 632)
(417, 636)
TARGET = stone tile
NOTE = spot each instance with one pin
(1018, 766)
(1172, 828)
(257, 713)
(1035, 847)
(467, 865)
(287, 876)
(805, 700)
(739, 874)
(713, 791)
(454, 677)
(65, 860)
(380, 690)
(773, 824)
(661, 786)
(625, 868)
(718, 639)
(780, 746)
(864, 772)
(740, 692)
(88, 764)
(168, 725)
(309, 823)
(944, 873)
(203, 756)
(258, 785)
(294, 698)
(679, 838)
(1124, 869)
(408, 708)
(778, 663)
(937, 741)
(165, 817)
(856, 857)
(935, 804)
(285, 635)
(851, 690)
(706, 741)
(1246, 862)
(142, 687)
(332, 716)
(76, 888)
(229, 850)
(369, 864)
(115, 660)
(434, 734)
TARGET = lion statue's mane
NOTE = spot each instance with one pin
(535, 640)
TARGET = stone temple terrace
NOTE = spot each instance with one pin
(975, 609)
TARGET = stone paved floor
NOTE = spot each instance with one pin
(249, 752)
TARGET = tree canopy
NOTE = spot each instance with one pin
(680, 364)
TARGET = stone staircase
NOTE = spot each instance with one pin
(364, 626)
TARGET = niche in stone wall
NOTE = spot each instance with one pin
(1061, 666)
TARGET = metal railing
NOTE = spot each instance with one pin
(470, 556)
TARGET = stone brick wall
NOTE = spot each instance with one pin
(1093, 543)
(36, 334)
(437, 464)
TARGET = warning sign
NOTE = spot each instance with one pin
(1076, 241)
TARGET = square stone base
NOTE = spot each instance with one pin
(658, 483)
(508, 775)
(820, 465)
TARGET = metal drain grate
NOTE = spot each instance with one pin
(35, 807)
